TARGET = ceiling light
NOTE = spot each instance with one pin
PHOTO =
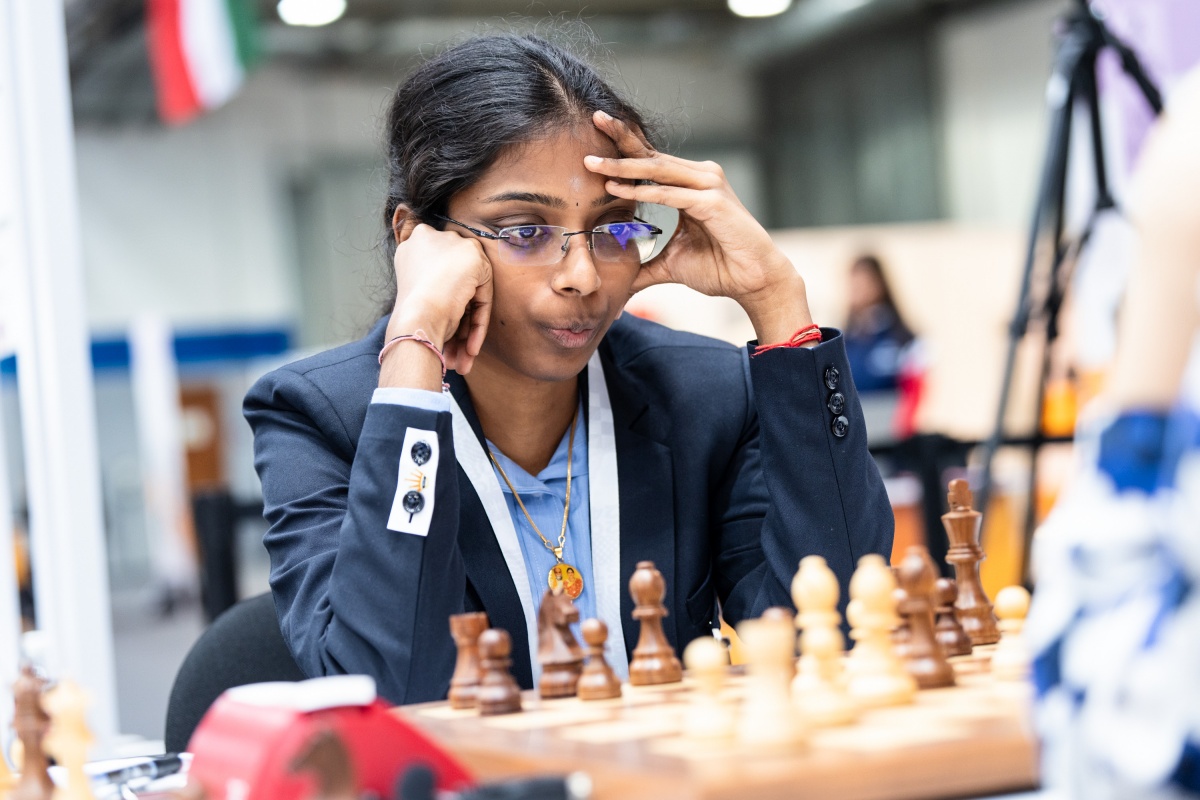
(759, 8)
(310, 12)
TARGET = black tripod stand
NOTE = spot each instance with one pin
(1073, 83)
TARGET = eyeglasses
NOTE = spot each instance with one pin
(538, 245)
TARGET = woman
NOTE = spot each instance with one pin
(875, 332)
(571, 442)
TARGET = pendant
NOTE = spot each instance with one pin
(566, 578)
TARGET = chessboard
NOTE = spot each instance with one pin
(970, 739)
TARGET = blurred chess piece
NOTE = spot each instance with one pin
(326, 758)
(8, 780)
(464, 684)
(31, 722)
(902, 633)
(785, 616)
(654, 659)
(819, 686)
(1011, 659)
(767, 717)
(498, 691)
(962, 525)
(69, 739)
(708, 716)
(598, 681)
(924, 659)
(559, 655)
(876, 676)
(950, 634)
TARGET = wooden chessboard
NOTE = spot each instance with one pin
(968, 740)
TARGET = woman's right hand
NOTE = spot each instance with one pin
(443, 287)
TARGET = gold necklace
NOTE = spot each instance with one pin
(562, 576)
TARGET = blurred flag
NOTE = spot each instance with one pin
(200, 51)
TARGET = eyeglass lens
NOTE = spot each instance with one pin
(545, 244)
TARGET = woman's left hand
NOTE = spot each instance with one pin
(719, 249)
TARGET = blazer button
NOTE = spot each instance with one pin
(841, 426)
(837, 403)
(413, 502)
(832, 376)
(421, 452)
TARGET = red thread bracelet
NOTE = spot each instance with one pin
(809, 333)
(416, 336)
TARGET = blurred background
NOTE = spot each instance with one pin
(227, 230)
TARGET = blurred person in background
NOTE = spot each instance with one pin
(884, 355)
(1115, 620)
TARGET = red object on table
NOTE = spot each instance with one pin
(241, 751)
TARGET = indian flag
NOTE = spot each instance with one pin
(200, 51)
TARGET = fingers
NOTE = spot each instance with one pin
(697, 202)
(629, 140)
(652, 273)
(660, 168)
(479, 316)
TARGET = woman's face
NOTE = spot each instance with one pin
(548, 320)
(865, 289)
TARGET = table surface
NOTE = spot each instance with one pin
(969, 740)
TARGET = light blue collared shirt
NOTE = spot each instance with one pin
(544, 496)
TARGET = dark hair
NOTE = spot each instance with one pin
(459, 110)
(873, 265)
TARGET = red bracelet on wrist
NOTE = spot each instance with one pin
(420, 337)
(810, 333)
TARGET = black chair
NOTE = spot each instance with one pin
(242, 646)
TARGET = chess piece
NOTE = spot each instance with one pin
(465, 628)
(498, 692)
(31, 723)
(708, 716)
(559, 654)
(925, 660)
(767, 719)
(326, 757)
(950, 634)
(781, 614)
(598, 681)
(818, 689)
(962, 525)
(1011, 659)
(901, 634)
(68, 739)
(654, 659)
(876, 676)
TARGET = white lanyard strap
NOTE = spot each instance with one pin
(604, 501)
(474, 461)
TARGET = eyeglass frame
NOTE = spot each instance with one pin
(566, 234)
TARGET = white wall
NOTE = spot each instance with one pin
(994, 64)
(193, 222)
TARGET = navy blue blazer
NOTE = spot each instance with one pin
(730, 470)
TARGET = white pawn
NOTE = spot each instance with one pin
(708, 716)
(1010, 659)
(877, 677)
(69, 739)
(767, 719)
(818, 689)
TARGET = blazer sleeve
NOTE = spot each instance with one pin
(801, 482)
(354, 596)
